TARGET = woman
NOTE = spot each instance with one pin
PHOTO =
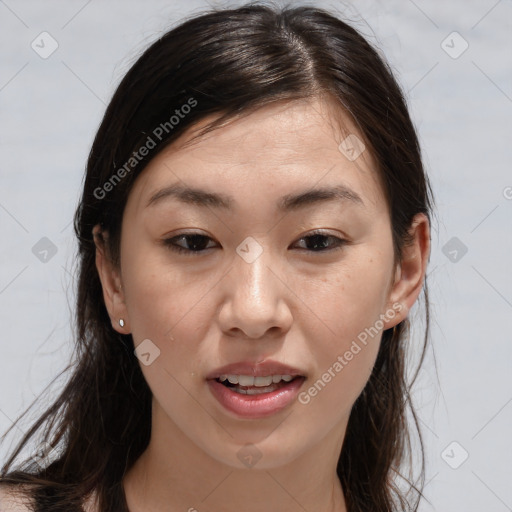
(253, 231)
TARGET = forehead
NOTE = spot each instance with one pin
(286, 145)
(287, 127)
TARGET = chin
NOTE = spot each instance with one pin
(267, 453)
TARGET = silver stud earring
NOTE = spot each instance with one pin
(121, 322)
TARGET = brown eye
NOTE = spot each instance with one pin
(189, 243)
(320, 242)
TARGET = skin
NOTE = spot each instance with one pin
(294, 304)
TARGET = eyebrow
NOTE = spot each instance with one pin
(289, 202)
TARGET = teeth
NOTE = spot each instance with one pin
(254, 391)
(245, 380)
(249, 380)
(263, 381)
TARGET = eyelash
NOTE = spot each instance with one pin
(170, 243)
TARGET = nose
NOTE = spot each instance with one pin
(255, 299)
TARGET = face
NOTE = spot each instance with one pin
(261, 250)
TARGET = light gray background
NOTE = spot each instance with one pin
(50, 109)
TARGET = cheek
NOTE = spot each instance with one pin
(346, 331)
(173, 310)
(160, 300)
(349, 299)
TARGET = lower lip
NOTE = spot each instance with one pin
(256, 406)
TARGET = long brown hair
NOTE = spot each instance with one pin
(227, 62)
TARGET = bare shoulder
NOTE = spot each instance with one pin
(15, 499)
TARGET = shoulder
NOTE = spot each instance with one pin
(14, 499)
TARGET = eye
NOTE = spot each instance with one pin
(194, 243)
(322, 242)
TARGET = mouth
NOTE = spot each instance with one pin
(255, 391)
(250, 385)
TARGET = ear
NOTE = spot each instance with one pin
(410, 271)
(111, 283)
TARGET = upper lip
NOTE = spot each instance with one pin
(255, 369)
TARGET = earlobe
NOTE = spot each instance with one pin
(111, 284)
(410, 272)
